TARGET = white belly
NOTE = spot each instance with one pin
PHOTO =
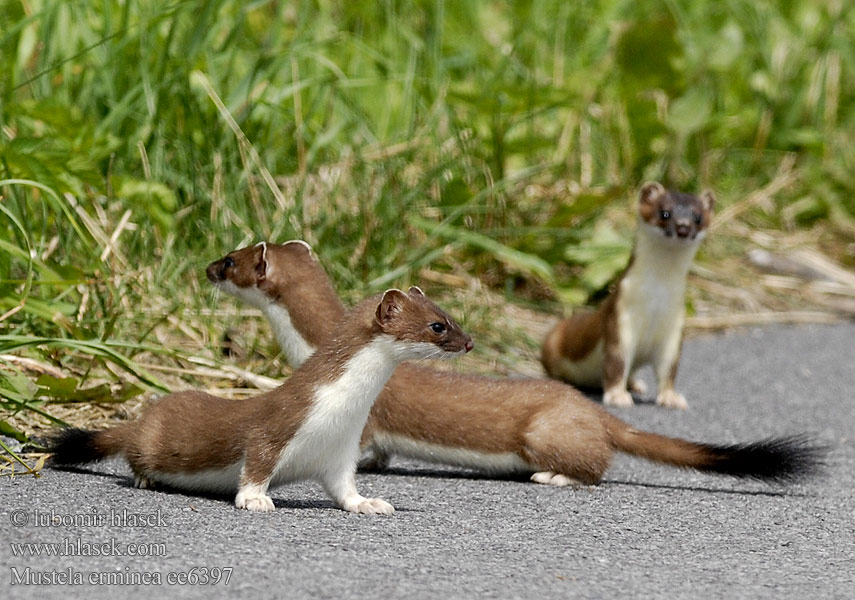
(500, 462)
(222, 481)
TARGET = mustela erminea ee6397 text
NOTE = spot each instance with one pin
(641, 321)
(494, 425)
(308, 428)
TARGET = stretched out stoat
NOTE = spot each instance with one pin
(308, 428)
(641, 321)
(541, 427)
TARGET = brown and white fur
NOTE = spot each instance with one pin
(641, 322)
(308, 428)
(498, 426)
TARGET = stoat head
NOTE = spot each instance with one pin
(673, 215)
(419, 328)
(260, 274)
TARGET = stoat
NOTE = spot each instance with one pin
(539, 427)
(641, 321)
(308, 428)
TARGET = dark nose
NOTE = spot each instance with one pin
(682, 229)
(214, 272)
(469, 345)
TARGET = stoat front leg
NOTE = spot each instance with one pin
(617, 362)
(340, 484)
(667, 359)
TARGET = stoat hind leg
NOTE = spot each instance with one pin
(567, 445)
(555, 479)
(636, 385)
(142, 482)
(255, 478)
(374, 459)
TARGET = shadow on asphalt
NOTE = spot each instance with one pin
(430, 473)
(522, 478)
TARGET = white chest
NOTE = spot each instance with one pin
(329, 437)
(295, 347)
(651, 304)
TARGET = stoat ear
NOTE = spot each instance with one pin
(261, 265)
(391, 304)
(416, 291)
(707, 198)
(651, 192)
(300, 243)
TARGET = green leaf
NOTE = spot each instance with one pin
(58, 387)
(690, 113)
(727, 47)
(9, 431)
(19, 383)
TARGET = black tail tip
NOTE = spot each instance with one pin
(73, 446)
(776, 460)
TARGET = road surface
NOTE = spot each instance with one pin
(647, 531)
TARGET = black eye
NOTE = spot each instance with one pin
(229, 262)
(437, 327)
(664, 214)
(698, 218)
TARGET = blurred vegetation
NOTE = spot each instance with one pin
(141, 139)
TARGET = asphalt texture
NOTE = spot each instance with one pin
(647, 531)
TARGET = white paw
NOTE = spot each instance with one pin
(254, 503)
(617, 397)
(556, 479)
(671, 399)
(143, 482)
(638, 386)
(369, 506)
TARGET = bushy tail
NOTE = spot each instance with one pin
(75, 446)
(778, 460)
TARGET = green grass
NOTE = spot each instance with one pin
(508, 137)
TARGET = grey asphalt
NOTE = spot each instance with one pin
(646, 532)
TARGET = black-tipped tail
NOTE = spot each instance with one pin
(75, 446)
(779, 460)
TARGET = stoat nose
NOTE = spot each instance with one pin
(682, 229)
(213, 272)
(469, 345)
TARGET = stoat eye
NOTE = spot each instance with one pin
(698, 218)
(664, 214)
(229, 262)
(437, 327)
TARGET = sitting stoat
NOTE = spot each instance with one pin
(641, 321)
(501, 426)
(308, 428)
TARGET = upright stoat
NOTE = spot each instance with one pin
(308, 428)
(641, 322)
(494, 425)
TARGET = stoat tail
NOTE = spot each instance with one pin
(75, 446)
(779, 460)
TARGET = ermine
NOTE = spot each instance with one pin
(641, 322)
(542, 428)
(308, 428)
